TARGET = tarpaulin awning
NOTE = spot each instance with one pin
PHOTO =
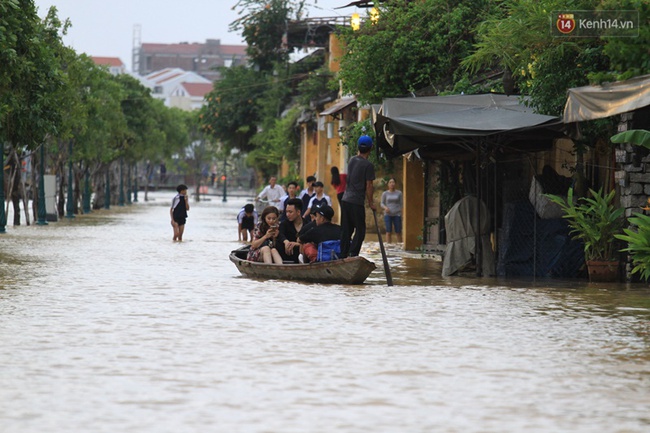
(609, 99)
(443, 126)
(338, 107)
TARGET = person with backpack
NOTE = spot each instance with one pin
(324, 230)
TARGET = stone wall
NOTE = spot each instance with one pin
(633, 178)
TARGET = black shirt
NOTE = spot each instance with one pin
(321, 233)
(305, 200)
(288, 231)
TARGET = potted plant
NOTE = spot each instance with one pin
(595, 221)
(638, 241)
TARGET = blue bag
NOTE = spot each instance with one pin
(329, 250)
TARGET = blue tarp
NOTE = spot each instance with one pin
(529, 245)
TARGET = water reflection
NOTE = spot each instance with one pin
(106, 325)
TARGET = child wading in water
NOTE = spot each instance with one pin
(178, 212)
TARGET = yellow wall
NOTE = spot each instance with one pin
(284, 168)
(413, 195)
(335, 53)
(308, 152)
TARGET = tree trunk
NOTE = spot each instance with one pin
(14, 189)
(77, 190)
(23, 189)
(148, 178)
(34, 188)
(11, 185)
(60, 203)
(99, 184)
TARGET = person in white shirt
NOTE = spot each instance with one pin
(271, 192)
(319, 198)
(246, 222)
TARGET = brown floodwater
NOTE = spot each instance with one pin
(106, 325)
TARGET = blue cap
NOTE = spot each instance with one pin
(365, 142)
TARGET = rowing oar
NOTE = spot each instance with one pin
(389, 278)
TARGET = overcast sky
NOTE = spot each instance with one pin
(105, 27)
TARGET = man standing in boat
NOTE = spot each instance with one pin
(359, 189)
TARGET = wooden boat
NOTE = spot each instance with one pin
(352, 270)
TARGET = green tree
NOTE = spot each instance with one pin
(103, 117)
(31, 74)
(544, 67)
(278, 141)
(30, 80)
(520, 42)
(231, 115)
(200, 151)
(629, 57)
(413, 45)
(264, 28)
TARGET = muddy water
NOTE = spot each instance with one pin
(108, 326)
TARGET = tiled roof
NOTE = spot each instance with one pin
(170, 77)
(157, 74)
(107, 61)
(160, 73)
(197, 89)
(239, 50)
(171, 48)
(193, 48)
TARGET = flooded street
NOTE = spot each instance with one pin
(106, 325)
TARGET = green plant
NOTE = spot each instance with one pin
(638, 137)
(595, 221)
(638, 244)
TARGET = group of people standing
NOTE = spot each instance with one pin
(293, 225)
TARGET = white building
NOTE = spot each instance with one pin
(114, 64)
(189, 96)
(165, 82)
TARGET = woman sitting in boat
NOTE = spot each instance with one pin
(263, 245)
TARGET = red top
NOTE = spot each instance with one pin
(340, 188)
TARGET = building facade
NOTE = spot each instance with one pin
(200, 58)
(114, 64)
(189, 96)
(164, 84)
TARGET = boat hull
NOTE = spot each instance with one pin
(352, 270)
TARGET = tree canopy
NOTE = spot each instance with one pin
(520, 41)
(31, 73)
(264, 26)
(411, 46)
